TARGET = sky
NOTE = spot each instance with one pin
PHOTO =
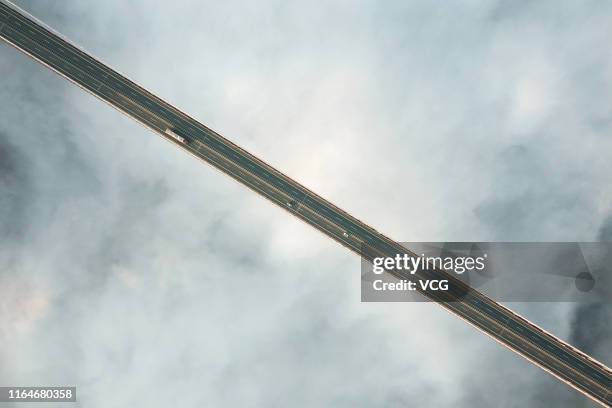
(147, 278)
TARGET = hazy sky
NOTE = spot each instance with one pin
(143, 277)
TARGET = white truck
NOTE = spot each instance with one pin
(175, 136)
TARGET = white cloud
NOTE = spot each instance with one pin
(168, 276)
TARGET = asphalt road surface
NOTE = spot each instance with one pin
(35, 39)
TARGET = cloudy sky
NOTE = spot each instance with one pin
(144, 277)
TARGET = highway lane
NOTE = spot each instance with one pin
(31, 37)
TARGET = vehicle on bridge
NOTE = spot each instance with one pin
(175, 136)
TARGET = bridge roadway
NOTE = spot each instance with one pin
(40, 42)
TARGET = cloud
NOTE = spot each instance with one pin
(143, 267)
